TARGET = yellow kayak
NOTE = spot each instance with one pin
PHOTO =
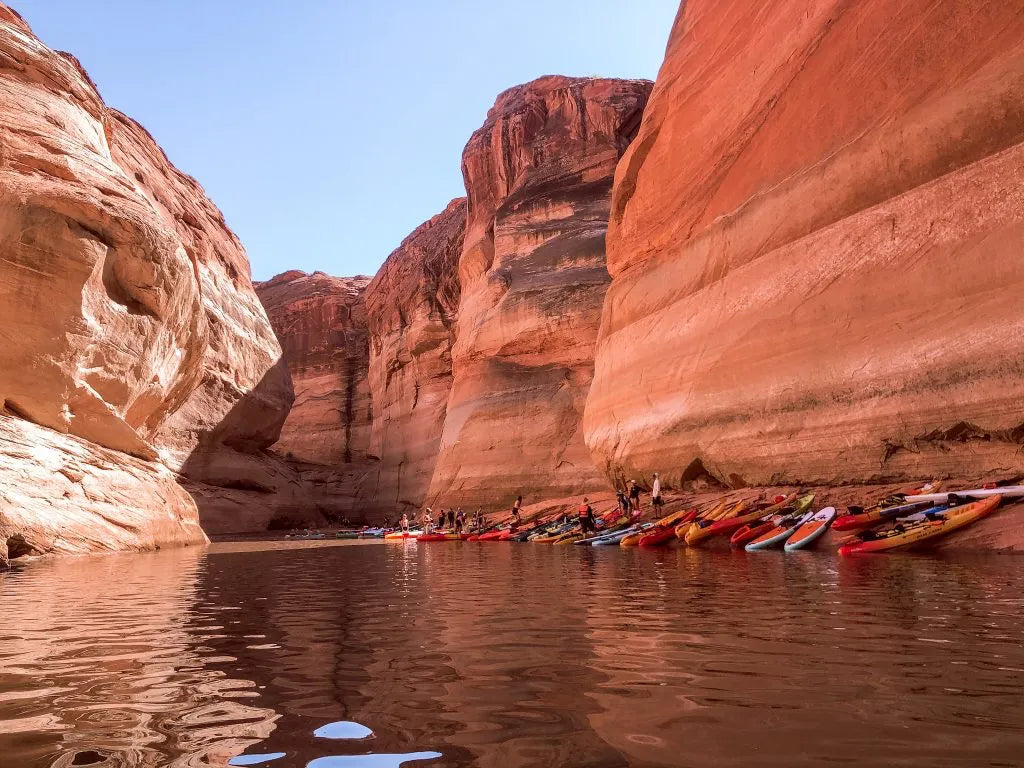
(698, 531)
(711, 514)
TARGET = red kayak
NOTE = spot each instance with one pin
(749, 532)
(662, 534)
(490, 536)
(473, 537)
(439, 537)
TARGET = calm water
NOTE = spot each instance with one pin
(510, 655)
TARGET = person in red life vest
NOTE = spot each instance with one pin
(586, 517)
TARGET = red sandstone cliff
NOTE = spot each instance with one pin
(321, 322)
(538, 176)
(412, 305)
(814, 247)
(131, 342)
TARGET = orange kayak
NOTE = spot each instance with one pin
(702, 529)
(728, 526)
(929, 528)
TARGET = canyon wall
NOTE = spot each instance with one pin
(815, 248)
(132, 346)
(322, 324)
(412, 305)
(532, 271)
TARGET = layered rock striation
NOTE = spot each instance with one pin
(412, 305)
(128, 325)
(814, 248)
(538, 178)
(322, 325)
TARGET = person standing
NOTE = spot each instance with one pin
(634, 495)
(460, 520)
(428, 520)
(656, 499)
(624, 504)
(516, 508)
(585, 514)
(451, 519)
(440, 519)
(404, 523)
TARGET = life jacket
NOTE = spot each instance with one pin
(584, 511)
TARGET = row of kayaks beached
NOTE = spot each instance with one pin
(791, 523)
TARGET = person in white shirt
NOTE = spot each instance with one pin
(656, 499)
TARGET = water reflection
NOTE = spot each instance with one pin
(502, 655)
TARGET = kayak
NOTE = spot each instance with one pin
(614, 539)
(661, 534)
(712, 514)
(601, 534)
(701, 529)
(666, 523)
(782, 531)
(447, 536)
(399, 535)
(491, 535)
(925, 514)
(1007, 492)
(730, 525)
(940, 525)
(852, 521)
(812, 530)
(753, 531)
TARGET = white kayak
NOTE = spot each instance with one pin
(1007, 492)
(811, 530)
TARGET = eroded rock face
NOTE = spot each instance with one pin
(412, 304)
(538, 176)
(321, 322)
(322, 327)
(814, 248)
(128, 322)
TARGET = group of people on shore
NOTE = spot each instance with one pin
(456, 519)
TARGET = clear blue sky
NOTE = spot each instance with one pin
(327, 130)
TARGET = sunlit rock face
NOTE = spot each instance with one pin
(815, 248)
(411, 305)
(322, 326)
(321, 322)
(538, 178)
(127, 319)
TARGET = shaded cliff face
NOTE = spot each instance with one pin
(538, 177)
(814, 278)
(127, 320)
(411, 305)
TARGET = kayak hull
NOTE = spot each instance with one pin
(806, 535)
(926, 530)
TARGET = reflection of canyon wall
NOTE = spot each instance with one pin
(814, 247)
(411, 305)
(128, 326)
(538, 177)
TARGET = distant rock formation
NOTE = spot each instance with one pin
(321, 322)
(131, 343)
(538, 177)
(412, 305)
(815, 248)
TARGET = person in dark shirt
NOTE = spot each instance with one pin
(634, 495)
